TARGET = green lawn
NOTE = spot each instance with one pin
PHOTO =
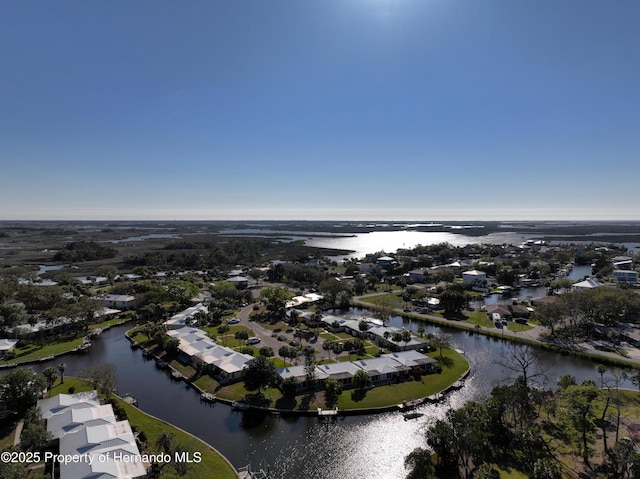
(480, 317)
(379, 396)
(33, 352)
(392, 299)
(517, 327)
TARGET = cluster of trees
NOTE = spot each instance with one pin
(78, 251)
(527, 428)
(578, 312)
(196, 256)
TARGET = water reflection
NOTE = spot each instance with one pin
(356, 447)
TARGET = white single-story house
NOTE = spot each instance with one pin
(118, 301)
(240, 282)
(7, 345)
(180, 319)
(50, 406)
(588, 283)
(309, 298)
(474, 277)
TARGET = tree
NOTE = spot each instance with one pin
(310, 367)
(453, 299)
(61, 368)
(384, 310)
(103, 376)
(51, 374)
(182, 291)
(275, 298)
(420, 464)
(361, 379)
(581, 417)
(332, 390)
(259, 373)
(522, 360)
(20, 389)
(285, 352)
(165, 442)
(289, 386)
(328, 345)
(441, 341)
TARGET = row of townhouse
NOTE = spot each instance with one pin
(375, 332)
(89, 432)
(197, 347)
(382, 370)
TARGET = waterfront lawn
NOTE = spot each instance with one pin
(33, 352)
(379, 396)
(391, 299)
(207, 383)
(480, 318)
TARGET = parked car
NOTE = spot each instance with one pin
(233, 321)
(253, 340)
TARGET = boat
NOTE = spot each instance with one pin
(83, 348)
(240, 406)
(162, 364)
(207, 397)
(130, 399)
(412, 415)
(177, 375)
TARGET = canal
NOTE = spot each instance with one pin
(356, 447)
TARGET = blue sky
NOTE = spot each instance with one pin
(333, 109)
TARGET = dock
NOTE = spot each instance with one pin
(327, 413)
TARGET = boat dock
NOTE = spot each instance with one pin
(327, 413)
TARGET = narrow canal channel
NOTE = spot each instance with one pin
(356, 447)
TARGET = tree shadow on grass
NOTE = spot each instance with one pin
(445, 362)
(306, 401)
(358, 394)
(286, 403)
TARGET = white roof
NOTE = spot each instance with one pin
(178, 320)
(381, 365)
(56, 404)
(8, 344)
(74, 419)
(588, 283)
(474, 272)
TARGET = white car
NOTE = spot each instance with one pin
(253, 340)
(233, 321)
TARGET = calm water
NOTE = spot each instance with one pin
(356, 447)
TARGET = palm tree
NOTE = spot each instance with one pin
(61, 368)
(164, 442)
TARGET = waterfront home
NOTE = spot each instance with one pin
(342, 372)
(378, 335)
(7, 345)
(71, 419)
(198, 348)
(381, 370)
(588, 283)
(50, 406)
(506, 312)
(183, 318)
(474, 277)
(118, 301)
(84, 428)
(306, 299)
(412, 359)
